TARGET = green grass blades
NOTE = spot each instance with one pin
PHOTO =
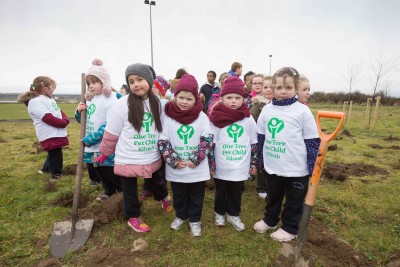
(362, 210)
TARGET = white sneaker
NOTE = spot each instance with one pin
(236, 222)
(40, 172)
(195, 227)
(261, 227)
(177, 223)
(262, 195)
(219, 219)
(282, 236)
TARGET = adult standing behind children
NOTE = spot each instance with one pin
(185, 142)
(288, 140)
(49, 121)
(236, 69)
(209, 88)
(235, 138)
(98, 81)
(132, 131)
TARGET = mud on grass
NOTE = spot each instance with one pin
(342, 171)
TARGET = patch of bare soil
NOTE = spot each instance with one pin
(65, 200)
(107, 212)
(346, 133)
(324, 248)
(376, 146)
(50, 262)
(71, 169)
(333, 147)
(341, 171)
(50, 186)
(122, 257)
(394, 260)
(391, 138)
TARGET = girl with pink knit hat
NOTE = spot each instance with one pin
(97, 80)
(185, 142)
(235, 138)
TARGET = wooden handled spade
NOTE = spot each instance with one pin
(71, 235)
(312, 190)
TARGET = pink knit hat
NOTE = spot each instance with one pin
(187, 83)
(233, 85)
(100, 72)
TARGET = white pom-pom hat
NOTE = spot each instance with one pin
(100, 72)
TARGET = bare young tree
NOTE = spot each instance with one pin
(382, 70)
(352, 76)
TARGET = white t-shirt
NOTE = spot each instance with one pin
(184, 140)
(285, 128)
(133, 147)
(233, 149)
(97, 111)
(37, 108)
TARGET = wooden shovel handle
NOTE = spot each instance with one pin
(323, 148)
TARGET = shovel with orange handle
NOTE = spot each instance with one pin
(312, 189)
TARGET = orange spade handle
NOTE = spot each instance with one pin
(323, 148)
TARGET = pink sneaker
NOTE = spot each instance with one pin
(166, 204)
(138, 225)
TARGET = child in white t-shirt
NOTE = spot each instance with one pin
(288, 140)
(132, 131)
(97, 108)
(303, 92)
(235, 138)
(49, 121)
(185, 142)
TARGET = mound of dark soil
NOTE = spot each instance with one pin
(391, 138)
(324, 247)
(341, 171)
(394, 147)
(65, 200)
(71, 169)
(375, 146)
(346, 133)
(333, 147)
(108, 211)
(50, 262)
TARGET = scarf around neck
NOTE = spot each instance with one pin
(183, 116)
(223, 116)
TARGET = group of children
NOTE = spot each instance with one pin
(134, 136)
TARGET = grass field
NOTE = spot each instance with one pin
(363, 211)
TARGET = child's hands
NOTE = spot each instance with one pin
(101, 158)
(180, 164)
(88, 96)
(81, 106)
(190, 164)
(106, 92)
(253, 171)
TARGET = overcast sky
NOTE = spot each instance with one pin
(319, 38)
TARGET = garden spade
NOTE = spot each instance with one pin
(312, 190)
(71, 235)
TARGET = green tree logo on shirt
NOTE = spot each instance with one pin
(185, 132)
(90, 110)
(274, 126)
(235, 131)
(55, 106)
(147, 121)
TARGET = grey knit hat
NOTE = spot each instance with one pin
(142, 70)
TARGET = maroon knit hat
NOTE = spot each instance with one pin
(187, 83)
(233, 85)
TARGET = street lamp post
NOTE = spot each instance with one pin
(270, 60)
(151, 3)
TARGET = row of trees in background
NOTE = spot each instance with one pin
(357, 97)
